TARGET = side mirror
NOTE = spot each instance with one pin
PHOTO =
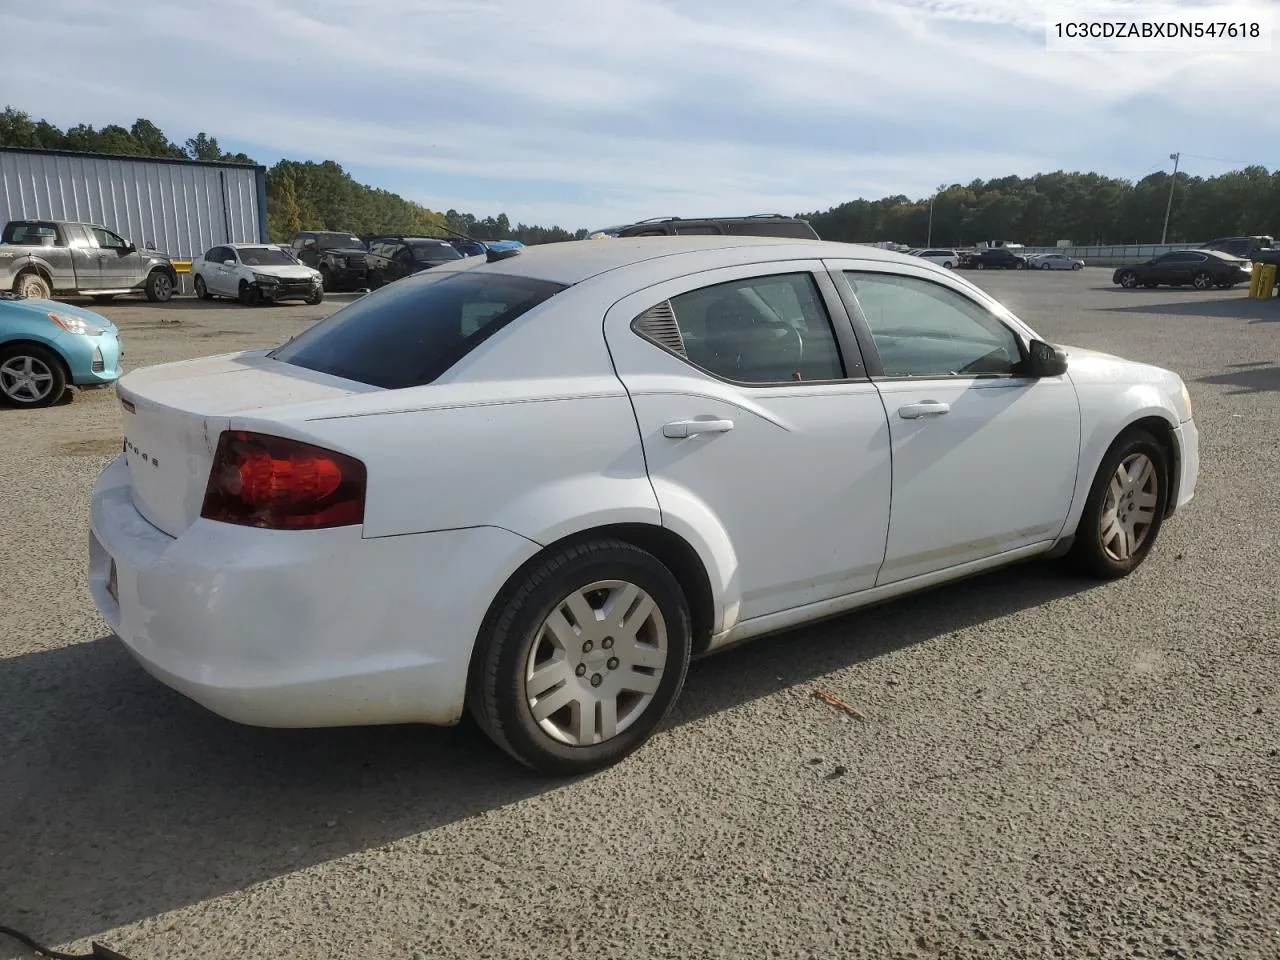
(1045, 360)
(228, 263)
(130, 248)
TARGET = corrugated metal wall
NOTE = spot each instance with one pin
(181, 209)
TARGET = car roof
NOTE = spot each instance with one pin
(573, 261)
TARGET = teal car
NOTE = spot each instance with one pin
(47, 346)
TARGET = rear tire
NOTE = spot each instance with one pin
(159, 288)
(535, 673)
(1202, 281)
(979, 265)
(1125, 509)
(32, 286)
(31, 376)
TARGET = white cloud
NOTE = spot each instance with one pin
(585, 112)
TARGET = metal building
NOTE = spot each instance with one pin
(179, 207)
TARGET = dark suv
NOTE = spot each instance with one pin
(1244, 247)
(759, 225)
(390, 258)
(994, 258)
(338, 256)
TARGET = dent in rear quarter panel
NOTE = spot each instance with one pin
(542, 467)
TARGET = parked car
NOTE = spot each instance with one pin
(46, 346)
(534, 487)
(392, 258)
(943, 258)
(40, 259)
(994, 258)
(338, 256)
(468, 248)
(1054, 261)
(1202, 269)
(255, 273)
(1244, 247)
(756, 225)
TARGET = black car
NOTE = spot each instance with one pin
(338, 256)
(1202, 269)
(390, 258)
(994, 258)
(757, 225)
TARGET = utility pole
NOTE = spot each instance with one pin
(1169, 209)
(941, 187)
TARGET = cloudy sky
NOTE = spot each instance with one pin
(587, 113)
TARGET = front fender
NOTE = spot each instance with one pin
(1104, 416)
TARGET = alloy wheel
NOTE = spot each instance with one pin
(25, 379)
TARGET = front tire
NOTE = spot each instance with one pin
(202, 289)
(31, 376)
(317, 297)
(159, 288)
(1128, 279)
(1125, 509)
(581, 659)
(1019, 265)
(250, 295)
(1077, 266)
(326, 279)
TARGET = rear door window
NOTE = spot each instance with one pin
(410, 332)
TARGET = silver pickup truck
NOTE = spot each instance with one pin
(48, 258)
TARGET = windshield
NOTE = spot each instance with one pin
(435, 251)
(332, 242)
(265, 257)
(410, 332)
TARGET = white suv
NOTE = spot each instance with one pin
(943, 258)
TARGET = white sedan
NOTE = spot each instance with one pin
(255, 273)
(1054, 261)
(533, 485)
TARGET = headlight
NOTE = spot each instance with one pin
(265, 279)
(76, 324)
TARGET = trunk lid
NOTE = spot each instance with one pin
(174, 413)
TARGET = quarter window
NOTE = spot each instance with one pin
(771, 329)
(923, 329)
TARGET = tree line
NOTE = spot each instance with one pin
(1085, 208)
(300, 196)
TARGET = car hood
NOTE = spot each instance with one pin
(344, 251)
(29, 308)
(285, 271)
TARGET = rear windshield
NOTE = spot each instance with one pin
(36, 234)
(410, 332)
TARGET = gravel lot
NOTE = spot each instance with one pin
(1048, 767)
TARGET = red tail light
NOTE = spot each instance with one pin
(263, 481)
